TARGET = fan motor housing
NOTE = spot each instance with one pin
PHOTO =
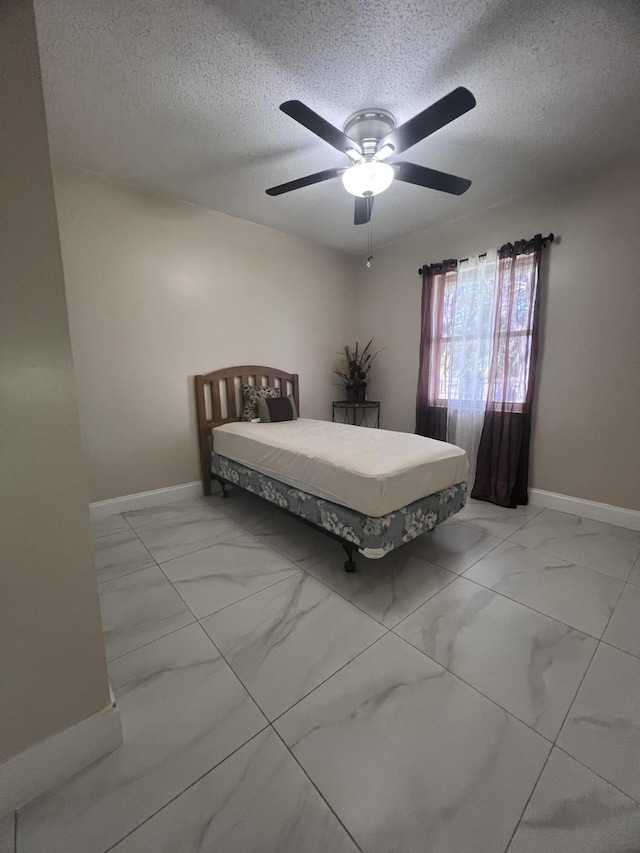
(367, 127)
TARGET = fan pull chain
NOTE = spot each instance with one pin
(369, 242)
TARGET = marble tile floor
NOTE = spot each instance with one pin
(476, 690)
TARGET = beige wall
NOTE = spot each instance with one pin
(586, 435)
(160, 290)
(52, 661)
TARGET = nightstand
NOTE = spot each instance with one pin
(359, 414)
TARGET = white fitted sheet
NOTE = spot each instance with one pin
(373, 471)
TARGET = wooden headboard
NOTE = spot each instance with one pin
(219, 401)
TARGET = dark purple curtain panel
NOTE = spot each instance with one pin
(503, 457)
(431, 414)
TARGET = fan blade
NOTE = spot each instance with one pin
(316, 178)
(362, 212)
(445, 110)
(318, 125)
(410, 173)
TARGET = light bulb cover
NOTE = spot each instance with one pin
(367, 178)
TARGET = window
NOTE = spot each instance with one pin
(464, 313)
(517, 285)
(464, 317)
(478, 348)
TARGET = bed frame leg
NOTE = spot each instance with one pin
(350, 563)
(223, 486)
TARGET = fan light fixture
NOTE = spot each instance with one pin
(368, 138)
(367, 178)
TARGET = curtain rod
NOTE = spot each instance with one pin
(543, 240)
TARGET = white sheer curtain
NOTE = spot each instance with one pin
(468, 324)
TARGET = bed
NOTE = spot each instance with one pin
(371, 490)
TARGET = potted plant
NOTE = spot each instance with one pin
(353, 370)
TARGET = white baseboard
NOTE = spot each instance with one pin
(127, 503)
(56, 758)
(618, 515)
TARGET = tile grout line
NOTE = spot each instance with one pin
(294, 570)
(430, 598)
(471, 686)
(582, 518)
(504, 595)
(432, 562)
(522, 813)
(150, 642)
(577, 565)
(117, 577)
(599, 642)
(190, 785)
(366, 648)
(357, 606)
(239, 680)
(197, 550)
(126, 575)
(471, 565)
(544, 615)
(463, 574)
(613, 610)
(197, 621)
(267, 544)
(309, 692)
(159, 565)
(618, 649)
(473, 527)
(315, 787)
(568, 562)
(532, 609)
(595, 773)
(453, 580)
(555, 746)
(204, 547)
(262, 538)
(246, 597)
(461, 522)
(180, 515)
(571, 704)
(342, 596)
(388, 630)
(270, 724)
(195, 618)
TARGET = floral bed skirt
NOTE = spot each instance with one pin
(374, 537)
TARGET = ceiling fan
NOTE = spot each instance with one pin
(369, 138)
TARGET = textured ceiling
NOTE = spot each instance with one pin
(183, 97)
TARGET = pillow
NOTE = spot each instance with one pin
(275, 410)
(252, 393)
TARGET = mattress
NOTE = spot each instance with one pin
(372, 471)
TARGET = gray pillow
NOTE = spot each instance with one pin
(273, 410)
